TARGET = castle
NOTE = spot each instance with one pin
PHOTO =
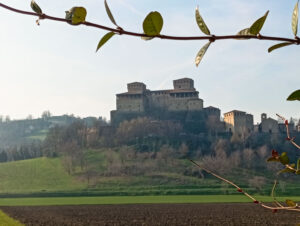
(183, 103)
(238, 121)
(138, 98)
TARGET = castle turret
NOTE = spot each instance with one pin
(136, 87)
(184, 83)
(263, 116)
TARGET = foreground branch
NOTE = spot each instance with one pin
(120, 31)
(289, 138)
(279, 207)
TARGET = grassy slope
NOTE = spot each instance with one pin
(134, 200)
(7, 221)
(39, 135)
(47, 177)
(35, 175)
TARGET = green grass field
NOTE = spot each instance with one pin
(40, 135)
(46, 177)
(134, 200)
(35, 175)
(7, 221)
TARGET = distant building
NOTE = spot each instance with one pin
(213, 112)
(298, 126)
(238, 122)
(268, 125)
(138, 98)
(181, 102)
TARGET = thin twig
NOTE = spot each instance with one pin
(272, 194)
(288, 132)
(124, 32)
(246, 194)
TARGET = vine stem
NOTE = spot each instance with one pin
(185, 38)
(291, 208)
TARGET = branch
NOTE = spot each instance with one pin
(289, 138)
(120, 31)
(246, 194)
(272, 194)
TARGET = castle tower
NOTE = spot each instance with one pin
(136, 87)
(263, 116)
(184, 83)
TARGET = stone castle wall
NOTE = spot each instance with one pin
(238, 122)
(183, 97)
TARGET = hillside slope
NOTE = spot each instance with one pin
(48, 177)
(35, 175)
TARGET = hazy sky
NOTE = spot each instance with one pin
(54, 66)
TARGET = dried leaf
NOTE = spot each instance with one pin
(295, 19)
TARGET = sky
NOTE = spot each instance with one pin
(54, 66)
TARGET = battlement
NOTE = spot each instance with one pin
(184, 83)
(136, 87)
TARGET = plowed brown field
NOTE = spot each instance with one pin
(152, 214)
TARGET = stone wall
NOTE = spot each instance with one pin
(183, 97)
(238, 122)
(131, 103)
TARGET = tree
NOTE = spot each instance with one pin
(7, 118)
(46, 115)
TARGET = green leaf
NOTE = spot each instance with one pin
(277, 46)
(245, 31)
(79, 15)
(295, 19)
(35, 7)
(294, 96)
(153, 24)
(201, 23)
(104, 39)
(257, 25)
(76, 15)
(284, 159)
(290, 203)
(201, 53)
(286, 170)
(112, 19)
